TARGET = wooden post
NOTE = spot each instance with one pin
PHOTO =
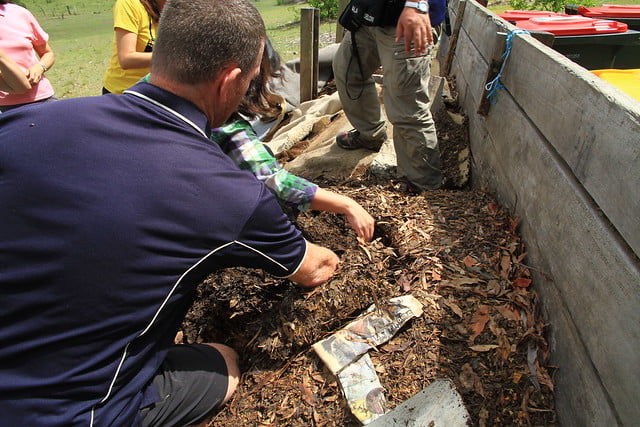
(497, 61)
(316, 54)
(494, 68)
(342, 4)
(453, 40)
(309, 38)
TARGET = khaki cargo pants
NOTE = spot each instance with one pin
(406, 100)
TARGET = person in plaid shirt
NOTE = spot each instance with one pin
(295, 194)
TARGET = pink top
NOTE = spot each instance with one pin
(19, 33)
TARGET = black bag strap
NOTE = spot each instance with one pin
(354, 54)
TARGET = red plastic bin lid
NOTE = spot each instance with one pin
(611, 11)
(573, 25)
(520, 15)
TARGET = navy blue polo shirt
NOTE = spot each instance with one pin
(437, 11)
(112, 209)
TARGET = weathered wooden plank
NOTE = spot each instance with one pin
(554, 176)
(597, 278)
(580, 398)
(599, 139)
(590, 406)
(453, 40)
(481, 28)
(469, 84)
(496, 63)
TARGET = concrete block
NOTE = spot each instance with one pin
(438, 405)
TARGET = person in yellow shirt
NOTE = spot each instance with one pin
(135, 24)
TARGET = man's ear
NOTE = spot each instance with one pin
(228, 81)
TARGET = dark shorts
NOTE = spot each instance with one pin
(192, 382)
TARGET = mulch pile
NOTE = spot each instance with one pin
(457, 251)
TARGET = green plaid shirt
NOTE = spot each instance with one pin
(239, 141)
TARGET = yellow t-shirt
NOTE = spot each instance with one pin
(130, 15)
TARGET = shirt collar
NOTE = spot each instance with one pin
(176, 103)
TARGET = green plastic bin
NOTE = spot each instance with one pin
(592, 43)
(628, 57)
(616, 50)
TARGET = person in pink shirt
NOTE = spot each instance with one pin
(25, 42)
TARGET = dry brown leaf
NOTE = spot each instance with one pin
(543, 376)
(453, 306)
(521, 282)
(480, 292)
(405, 283)
(467, 377)
(317, 418)
(392, 346)
(380, 369)
(470, 380)
(493, 208)
(366, 251)
(459, 282)
(481, 348)
(478, 321)
(493, 287)
(493, 327)
(307, 391)
(469, 261)
(288, 415)
(505, 265)
(505, 346)
(517, 376)
(521, 257)
(507, 312)
(513, 224)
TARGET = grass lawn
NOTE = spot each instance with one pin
(82, 44)
(82, 40)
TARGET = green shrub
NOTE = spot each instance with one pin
(328, 8)
(552, 5)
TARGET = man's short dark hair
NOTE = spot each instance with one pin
(199, 38)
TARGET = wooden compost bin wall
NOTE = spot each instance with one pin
(561, 149)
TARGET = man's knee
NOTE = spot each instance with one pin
(231, 359)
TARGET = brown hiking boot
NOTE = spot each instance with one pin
(352, 140)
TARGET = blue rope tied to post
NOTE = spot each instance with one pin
(495, 85)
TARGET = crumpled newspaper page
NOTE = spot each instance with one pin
(344, 353)
(372, 328)
(363, 391)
